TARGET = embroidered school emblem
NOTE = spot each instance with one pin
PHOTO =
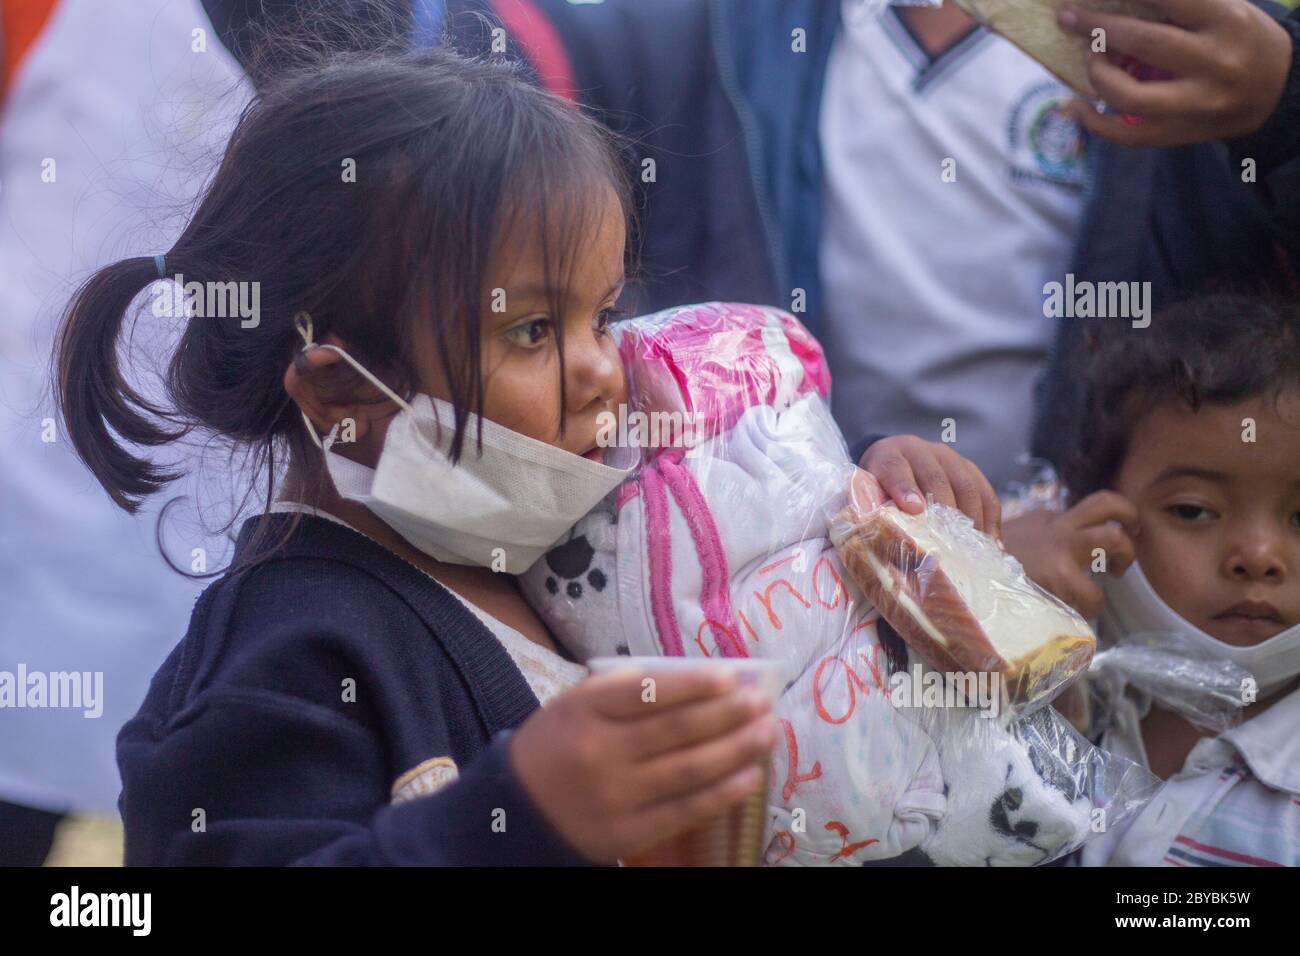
(1045, 143)
(424, 778)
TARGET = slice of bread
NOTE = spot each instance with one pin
(1031, 25)
(962, 604)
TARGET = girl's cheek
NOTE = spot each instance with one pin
(622, 398)
(1177, 566)
(522, 397)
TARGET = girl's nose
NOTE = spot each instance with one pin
(593, 370)
(1258, 558)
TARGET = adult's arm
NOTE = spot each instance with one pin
(1276, 144)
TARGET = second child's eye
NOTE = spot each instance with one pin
(1190, 512)
(530, 335)
(1295, 520)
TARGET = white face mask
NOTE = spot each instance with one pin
(1133, 607)
(503, 508)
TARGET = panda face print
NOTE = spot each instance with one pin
(571, 569)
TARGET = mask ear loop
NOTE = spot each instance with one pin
(302, 322)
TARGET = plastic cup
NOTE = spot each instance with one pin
(736, 836)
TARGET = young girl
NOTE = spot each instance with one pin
(1195, 424)
(437, 248)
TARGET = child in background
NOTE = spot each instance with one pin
(438, 248)
(1195, 423)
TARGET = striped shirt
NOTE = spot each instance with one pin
(1235, 802)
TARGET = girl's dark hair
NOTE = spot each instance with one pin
(447, 150)
(1218, 350)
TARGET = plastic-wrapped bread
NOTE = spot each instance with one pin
(1031, 25)
(961, 603)
(716, 546)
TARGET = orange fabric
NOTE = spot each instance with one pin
(541, 44)
(21, 22)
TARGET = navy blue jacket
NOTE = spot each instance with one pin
(245, 751)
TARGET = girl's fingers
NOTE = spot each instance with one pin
(694, 723)
(932, 478)
(865, 493)
(666, 819)
(639, 692)
(681, 772)
(965, 480)
(896, 477)
(992, 506)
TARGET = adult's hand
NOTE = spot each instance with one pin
(1229, 62)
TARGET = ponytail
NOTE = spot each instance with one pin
(98, 405)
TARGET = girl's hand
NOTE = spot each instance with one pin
(616, 775)
(1228, 62)
(910, 468)
(1056, 547)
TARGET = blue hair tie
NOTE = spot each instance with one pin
(160, 263)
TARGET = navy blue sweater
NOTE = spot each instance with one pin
(246, 751)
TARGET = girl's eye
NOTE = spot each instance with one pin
(1295, 520)
(530, 335)
(606, 316)
(1190, 512)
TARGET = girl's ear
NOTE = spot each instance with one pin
(328, 391)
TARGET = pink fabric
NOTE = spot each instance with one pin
(715, 593)
(659, 546)
(712, 360)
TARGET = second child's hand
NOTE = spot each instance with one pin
(1229, 62)
(1058, 548)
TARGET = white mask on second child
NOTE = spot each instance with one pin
(1134, 607)
(503, 508)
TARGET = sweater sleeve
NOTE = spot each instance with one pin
(247, 777)
(859, 447)
(1277, 143)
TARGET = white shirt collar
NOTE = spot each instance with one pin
(1270, 744)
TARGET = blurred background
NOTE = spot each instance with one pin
(114, 112)
(112, 116)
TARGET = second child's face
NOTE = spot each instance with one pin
(521, 363)
(1220, 516)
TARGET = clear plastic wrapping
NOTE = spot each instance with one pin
(1032, 791)
(718, 546)
(960, 602)
(1039, 489)
(1210, 692)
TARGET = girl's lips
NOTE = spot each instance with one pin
(1251, 610)
(1249, 622)
(1244, 631)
